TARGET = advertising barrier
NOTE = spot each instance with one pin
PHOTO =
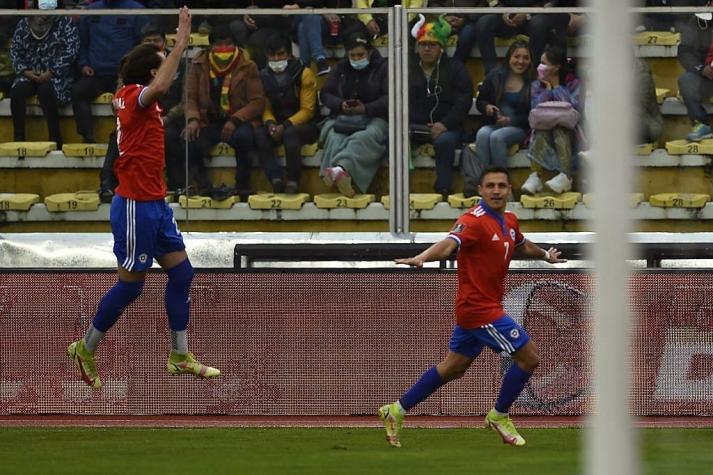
(337, 343)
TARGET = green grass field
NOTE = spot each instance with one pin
(339, 451)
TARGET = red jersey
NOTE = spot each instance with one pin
(139, 134)
(487, 241)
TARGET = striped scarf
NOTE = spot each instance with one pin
(222, 64)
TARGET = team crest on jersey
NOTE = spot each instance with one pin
(512, 234)
(514, 333)
(458, 228)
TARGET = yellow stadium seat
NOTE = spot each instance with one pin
(34, 100)
(221, 149)
(17, 201)
(452, 41)
(417, 201)
(460, 201)
(566, 200)
(634, 199)
(660, 38)
(682, 147)
(679, 200)
(196, 39)
(2, 96)
(645, 149)
(104, 98)
(26, 149)
(335, 200)
(277, 200)
(84, 149)
(79, 201)
(661, 94)
(198, 202)
(308, 150)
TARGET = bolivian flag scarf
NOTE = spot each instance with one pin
(222, 63)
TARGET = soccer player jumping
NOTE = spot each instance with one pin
(486, 238)
(142, 223)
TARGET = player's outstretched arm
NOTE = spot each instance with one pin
(164, 77)
(437, 252)
(532, 251)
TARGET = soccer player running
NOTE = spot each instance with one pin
(142, 223)
(486, 238)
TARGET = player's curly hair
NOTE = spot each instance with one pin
(137, 65)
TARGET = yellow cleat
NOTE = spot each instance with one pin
(187, 364)
(84, 360)
(505, 428)
(393, 419)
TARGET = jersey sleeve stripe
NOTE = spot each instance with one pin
(141, 94)
(455, 238)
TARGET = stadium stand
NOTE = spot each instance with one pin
(672, 166)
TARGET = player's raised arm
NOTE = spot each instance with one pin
(437, 252)
(164, 77)
(529, 249)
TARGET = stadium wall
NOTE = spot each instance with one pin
(336, 343)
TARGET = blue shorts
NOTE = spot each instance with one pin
(142, 231)
(503, 335)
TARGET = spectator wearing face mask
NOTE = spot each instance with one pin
(355, 137)
(695, 53)
(43, 51)
(290, 105)
(553, 147)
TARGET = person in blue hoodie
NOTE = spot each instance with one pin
(103, 41)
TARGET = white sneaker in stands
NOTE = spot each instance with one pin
(559, 184)
(532, 185)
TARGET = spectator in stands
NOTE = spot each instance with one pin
(649, 113)
(355, 138)
(504, 101)
(252, 31)
(290, 105)
(695, 53)
(313, 31)
(43, 51)
(440, 96)
(554, 136)
(552, 29)
(376, 25)
(505, 25)
(462, 24)
(104, 40)
(171, 104)
(7, 27)
(660, 21)
(224, 103)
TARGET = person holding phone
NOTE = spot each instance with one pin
(355, 137)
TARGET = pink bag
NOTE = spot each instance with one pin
(551, 114)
